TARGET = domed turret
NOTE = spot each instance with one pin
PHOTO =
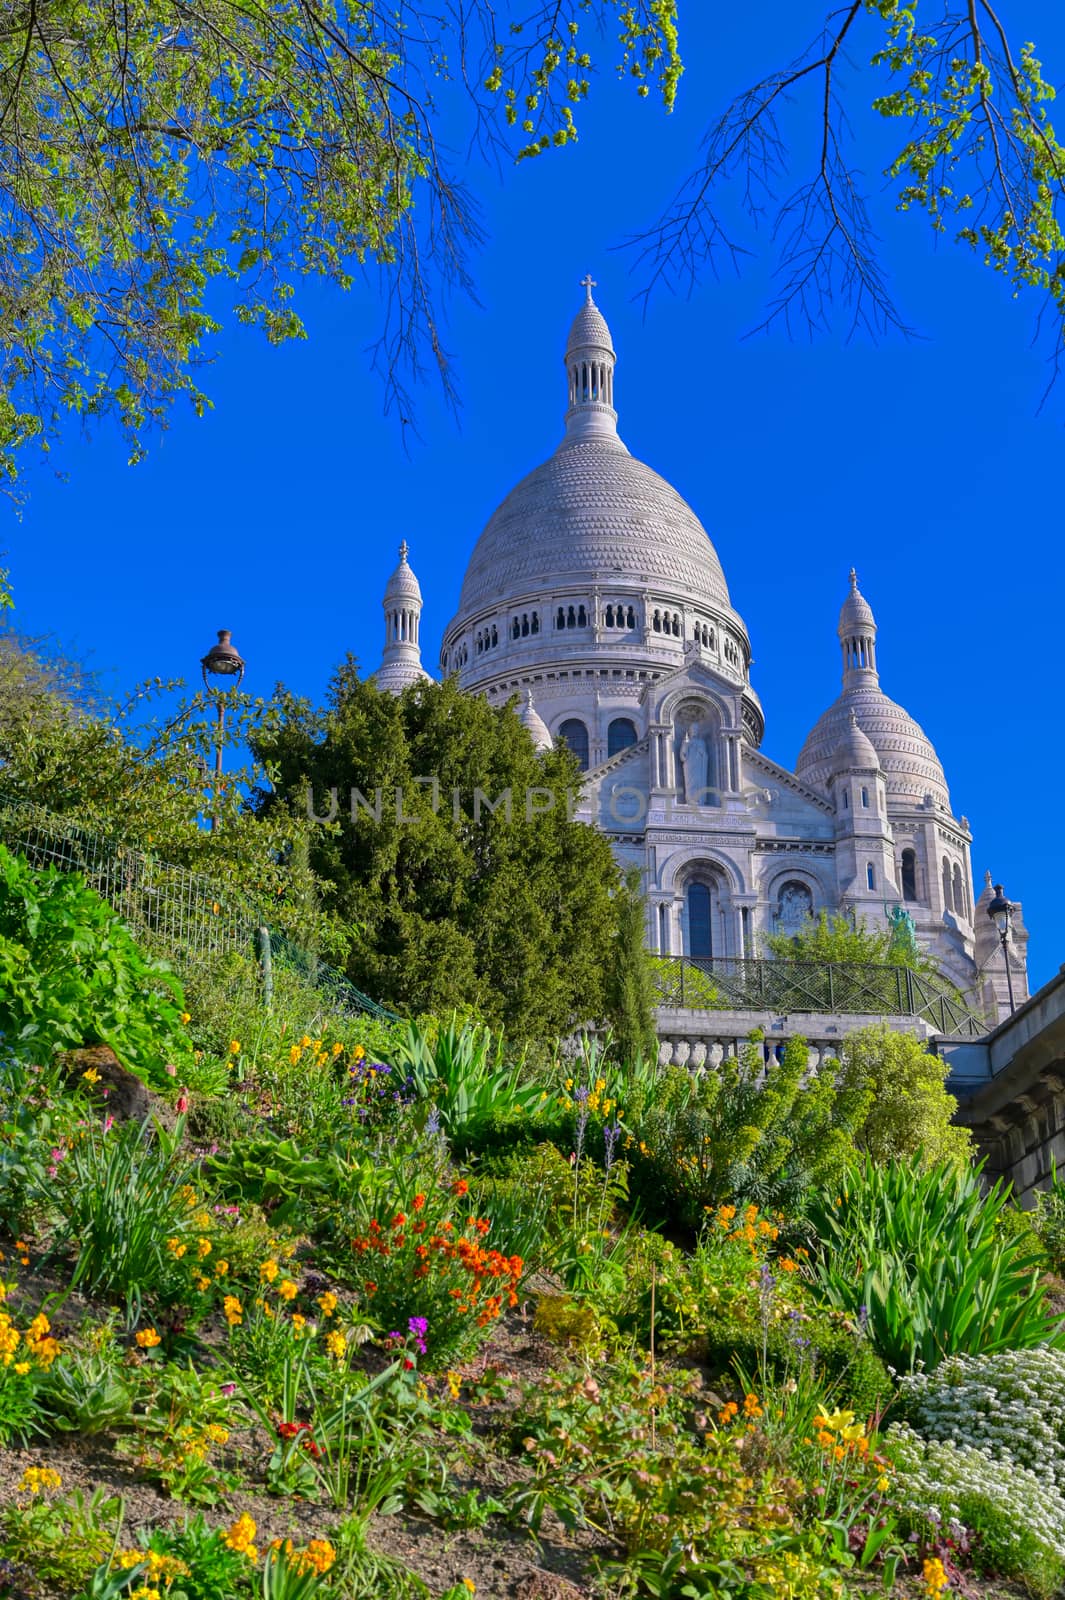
(910, 765)
(531, 719)
(401, 660)
(854, 753)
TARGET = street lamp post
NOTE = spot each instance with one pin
(223, 662)
(1000, 911)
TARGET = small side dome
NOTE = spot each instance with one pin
(589, 330)
(855, 752)
(531, 719)
(403, 585)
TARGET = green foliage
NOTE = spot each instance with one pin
(462, 1071)
(920, 1250)
(910, 1110)
(741, 1132)
(247, 150)
(1048, 1219)
(71, 974)
(838, 939)
(128, 1212)
(630, 994)
(61, 1540)
(35, 1120)
(468, 900)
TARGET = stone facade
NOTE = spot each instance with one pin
(596, 600)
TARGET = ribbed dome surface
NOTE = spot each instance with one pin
(592, 511)
(589, 327)
(911, 766)
(402, 585)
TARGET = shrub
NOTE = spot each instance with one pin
(919, 1255)
(461, 1069)
(71, 974)
(743, 1132)
(1048, 1220)
(1018, 1518)
(909, 1107)
(1010, 1404)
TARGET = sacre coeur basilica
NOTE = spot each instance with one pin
(595, 598)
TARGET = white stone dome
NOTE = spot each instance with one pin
(855, 752)
(531, 719)
(592, 512)
(403, 585)
(910, 764)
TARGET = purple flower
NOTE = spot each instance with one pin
(227, 1389)
(419, 1325)
(610, 1138)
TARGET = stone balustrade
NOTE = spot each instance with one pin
(702, 1039)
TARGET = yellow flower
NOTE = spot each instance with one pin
(883, 1483)
(186, 1016)
(241, 1537)
(298, 1324)
(328, 1303)
(232, 1310)
(234, 1047)
(454, 1384)
(202, 1283)
(336, 1344)
(305, 1042)
(287, 1289)
(294, 1055)
(203, 1248)
(176, 1248)
(148, 1339)
(569, 1083)
(221, 1268)
(36, 1480)
(22, 1367)
(468, 1583)
(337, 1048)
(216, 1433)
(268, 1271)
(91, 1075)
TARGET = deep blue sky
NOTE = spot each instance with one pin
(923, 463)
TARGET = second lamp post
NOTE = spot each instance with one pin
(222, 662)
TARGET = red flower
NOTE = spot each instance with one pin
(419, 1202)
(398, 1220)
(460, 1187)
(408, 1365)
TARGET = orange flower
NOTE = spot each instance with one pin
(460, 1187)
(419, 1202)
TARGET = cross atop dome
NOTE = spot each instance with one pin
(588, 283)
(404, 550)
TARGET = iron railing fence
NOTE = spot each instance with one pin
(186, 910)
(831, 988)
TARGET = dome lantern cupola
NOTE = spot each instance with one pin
(857, 636)
(590, 362)
(401, 659)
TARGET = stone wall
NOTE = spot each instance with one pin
(688, 1038)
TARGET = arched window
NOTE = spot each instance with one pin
(700, 929)
(582, 617)
(515, 628)
(846, 801)
(870, 876)
(657, 624)
(495, 636)
(909, 874)
(630, 617)
(959, 892)
(865, 796)
(609, 618)
(524, 624)
(560, 620)
(947, 896)
(571, 618)
(619, 736)
(575, 734)
(535, 622)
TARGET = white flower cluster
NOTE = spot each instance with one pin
(944, 1482)
(1011, 1405)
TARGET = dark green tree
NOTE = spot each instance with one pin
(630, 986)
(457, 860)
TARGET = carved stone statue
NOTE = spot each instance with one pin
(796, 907)
(694, 760)
(903, 931)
